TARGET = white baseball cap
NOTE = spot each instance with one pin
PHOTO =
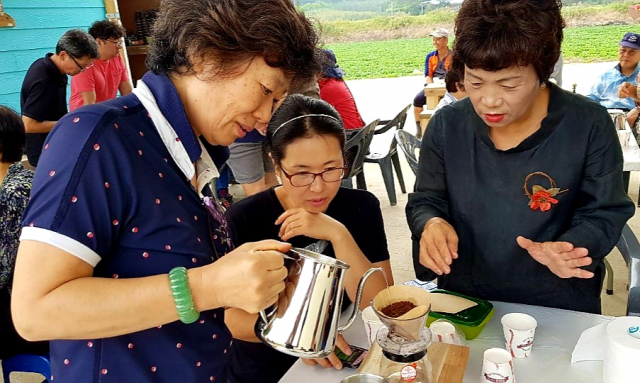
(440, 32)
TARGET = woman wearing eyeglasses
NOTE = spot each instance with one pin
(306, 142)
(108, 75)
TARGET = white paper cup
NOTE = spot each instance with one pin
(371, 324)
(445, 332)
(497, 367)
(519, 330)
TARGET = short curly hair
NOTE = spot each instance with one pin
(497, 34)
(105, 30)
(222, 35)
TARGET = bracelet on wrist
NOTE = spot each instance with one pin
(181, 292)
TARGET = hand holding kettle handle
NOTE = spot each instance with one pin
(356, 304)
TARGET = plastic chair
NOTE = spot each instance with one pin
(630, 250)
(38, 364)
(409, 144)
(356, 149)
(385, 153)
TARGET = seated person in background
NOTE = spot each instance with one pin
(478, 231)
(15, 187)
(436, 65)
(455, 89)
(605, 89)
(250, 164)
(334, 90)
(306, 142)
(108, 75)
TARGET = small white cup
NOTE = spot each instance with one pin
(519, 330)
(497, 366)
(445, 332)
(371, 324)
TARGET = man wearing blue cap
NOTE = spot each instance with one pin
(605, 89)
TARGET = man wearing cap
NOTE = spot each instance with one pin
(605, 89)
(436, 64)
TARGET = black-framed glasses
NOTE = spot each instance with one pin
(118, 43)
(82, 68)
(307, 178)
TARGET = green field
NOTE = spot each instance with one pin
(395, 58)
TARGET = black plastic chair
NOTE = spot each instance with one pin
(388, 158)
(409, 144)
(630, 250)
(356, 149)
(39, 364)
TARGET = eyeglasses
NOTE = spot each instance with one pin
(118, 43)
(307, 178)
(82, 68)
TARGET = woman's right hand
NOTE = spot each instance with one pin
(249, 278)
(438, 246)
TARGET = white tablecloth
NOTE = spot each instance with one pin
(550, 361)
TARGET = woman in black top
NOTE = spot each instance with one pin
(306, 143)
(519, 195)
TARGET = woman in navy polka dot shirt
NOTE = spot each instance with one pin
(119, 201)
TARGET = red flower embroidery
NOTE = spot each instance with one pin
(542, 200)
(539, 197)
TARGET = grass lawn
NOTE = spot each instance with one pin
(395, 58)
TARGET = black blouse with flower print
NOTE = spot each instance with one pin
(478, 189)
(14, 195)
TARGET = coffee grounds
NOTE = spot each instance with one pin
(397, 309)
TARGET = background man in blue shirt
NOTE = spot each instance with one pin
(605, 89)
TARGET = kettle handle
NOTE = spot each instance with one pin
(356, 304)
(268, 318)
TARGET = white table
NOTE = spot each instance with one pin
(557, 333)
(631, 155)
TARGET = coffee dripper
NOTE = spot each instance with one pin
(404, 340)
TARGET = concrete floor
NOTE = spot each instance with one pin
(383, 98)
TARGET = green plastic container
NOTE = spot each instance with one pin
(471, 321)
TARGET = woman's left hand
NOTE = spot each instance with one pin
(332, 360)
(298, 221)
(562, 258)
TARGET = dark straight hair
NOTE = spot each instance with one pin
(285, 128)
(12, 135)
(497, 34)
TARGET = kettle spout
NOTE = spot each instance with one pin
(356, 304)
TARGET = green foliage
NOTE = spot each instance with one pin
(590, 44)
(341, 27)
(396, 58)
(375, 59)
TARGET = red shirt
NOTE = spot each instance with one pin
(104, 77)
(337, 93)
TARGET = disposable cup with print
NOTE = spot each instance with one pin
(497, 367)
(371, 324)
(519, 330)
